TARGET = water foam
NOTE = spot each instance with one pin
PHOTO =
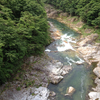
(70, 61)
(65, 43)
(64, 46)
(48, 50)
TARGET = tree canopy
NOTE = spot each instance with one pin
(88, 10)
(23, 32)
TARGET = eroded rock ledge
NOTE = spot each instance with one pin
(91, 53)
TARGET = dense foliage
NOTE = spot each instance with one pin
(88, 10)
(23, 32)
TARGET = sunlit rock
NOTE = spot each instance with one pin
(88, 40)
(56, 35)
(97, 71)
(66, 69)
(70, 91)
(87, 50)
(56, 70)
(55, 79)
(40, 93)
(94, 95)
(52, 93)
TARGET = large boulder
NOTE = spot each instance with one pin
(88, 40)
(52, 94)
(56, 70)
(88, 50)
(97, 71)
(70, 91)
(55, 78)
(94, 95)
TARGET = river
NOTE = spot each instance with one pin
(81, 77)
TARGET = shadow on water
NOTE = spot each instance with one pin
(81, 77)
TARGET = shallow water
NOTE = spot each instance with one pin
(81, 76)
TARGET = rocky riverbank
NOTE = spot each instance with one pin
(87, 47)
(38, 71)
(73, 22)
(91, 53)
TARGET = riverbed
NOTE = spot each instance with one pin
(81, 77)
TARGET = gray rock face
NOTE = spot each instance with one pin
(52, 71)
(88, 49)
(55, 79)
(88, 40)
(56, 71)
(41, 93)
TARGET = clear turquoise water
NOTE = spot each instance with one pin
(81, 77)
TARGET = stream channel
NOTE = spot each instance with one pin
(81, 77)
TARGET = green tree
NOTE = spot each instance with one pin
(23, 32)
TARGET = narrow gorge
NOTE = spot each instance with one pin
(88, 49)
(69, 68)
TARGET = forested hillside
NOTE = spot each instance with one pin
(23, 32)
(88, 10)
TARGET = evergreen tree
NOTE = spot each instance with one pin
(23, 32)
(88, 10)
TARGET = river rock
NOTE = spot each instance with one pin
(88, 40)
(79, 62)
(97, 71)
(52, 94)
(66, 69)
(70, 91)
(55, 34)
(94, 95)
(55, 79)
(89, 52)
(56, 70)
(97, 81)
